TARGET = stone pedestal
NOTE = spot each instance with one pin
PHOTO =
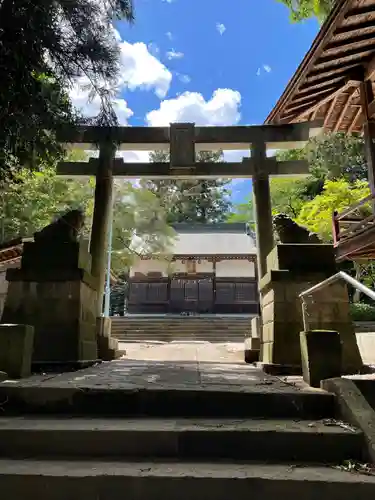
(328, 309)
(54, 292)
(16, 349)
(321, 356)
(293, 269)
(107, 346)
(252, 343)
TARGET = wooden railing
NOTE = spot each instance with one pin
(352, 221)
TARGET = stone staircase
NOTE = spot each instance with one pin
(181, 328)
(180, 443)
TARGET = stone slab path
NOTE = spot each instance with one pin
(230, 352)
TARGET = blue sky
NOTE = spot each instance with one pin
(198, 60)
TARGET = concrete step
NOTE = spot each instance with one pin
(183, 439)
(164, 400)
(167, 480)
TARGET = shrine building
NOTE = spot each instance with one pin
(210, 269)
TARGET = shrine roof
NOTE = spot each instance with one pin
(326, 84)
(213, 239)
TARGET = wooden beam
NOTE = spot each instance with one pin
(347, 58)
(355, 119)
(370, 69)
(341, 90)
(206, 138)
(330, 110)
(307, 87)
(204, 170)
(343, 111)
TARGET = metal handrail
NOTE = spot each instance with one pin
(332, 279)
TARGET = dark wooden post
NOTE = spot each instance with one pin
(367, 97)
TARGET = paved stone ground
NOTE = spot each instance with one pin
(171, 366)
(230, 352)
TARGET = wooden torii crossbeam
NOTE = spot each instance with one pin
(183, 140)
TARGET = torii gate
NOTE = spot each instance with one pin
(183, 140)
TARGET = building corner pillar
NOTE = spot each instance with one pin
(101, 215)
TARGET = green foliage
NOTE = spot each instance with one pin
(304, 9)
(316, 214)
(33, 199)
(336, 156)
(362, 312)
(243, 212)
(44, 47)
(193, 200)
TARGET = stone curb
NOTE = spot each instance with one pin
(353, 408)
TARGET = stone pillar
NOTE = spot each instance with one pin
(262, 208)
(102, 212)
(292, 269)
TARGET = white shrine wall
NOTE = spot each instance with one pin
(224, 268)
(235, 269)
(149, 266)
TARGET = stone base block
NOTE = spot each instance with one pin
(320, 355)
(251, 356)
(252, 343)
(108, 348)
(62, 314)
(103, 327)
(256, 326)
(16, 349)
(252, 349)
(74, 255)
(303, 258)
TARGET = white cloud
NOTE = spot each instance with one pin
(221, 28)
(172, 54)
(140, 69)
(221, 109)
(80, 97)
(169, 35)
(264, 67)
(183, 78)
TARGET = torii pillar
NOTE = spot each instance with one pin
(100, 221)
(262, 207)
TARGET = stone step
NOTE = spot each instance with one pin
(183, 439)
(177, 399)
(179, 336)
(167, 480)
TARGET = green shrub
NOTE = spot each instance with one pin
(362, 312)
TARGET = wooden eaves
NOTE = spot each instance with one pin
(327, 84)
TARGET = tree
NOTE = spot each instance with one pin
(337, 195)
(34, 199)
(45, 46)
(193, 200)
(139, 225)
(243, 212)
(304, 9)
